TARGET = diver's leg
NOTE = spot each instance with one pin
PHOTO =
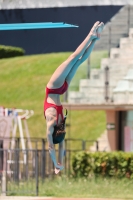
(85, 55)
(60, 74)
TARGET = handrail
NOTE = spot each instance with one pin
(26, 114)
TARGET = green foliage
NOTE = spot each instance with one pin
(9, 51)
(107, 164)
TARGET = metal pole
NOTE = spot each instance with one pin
(69, 132)
(36, 172)
(97, 145)
(27, 158)
(106, 84)
(17, 164)
(69, 161)
(65, 155)
(43, 159)
(83, 145)
(88, 68)
(109, 45)
(128, 19)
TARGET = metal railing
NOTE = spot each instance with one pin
(21, 171)
(22, 176)
(41, 143)
(19, 175)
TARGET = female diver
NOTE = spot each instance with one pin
(59, 83)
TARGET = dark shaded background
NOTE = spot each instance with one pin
(53, 40)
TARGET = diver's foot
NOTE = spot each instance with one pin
(93, 31)
(100, 29)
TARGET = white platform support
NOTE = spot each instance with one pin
(17, 116)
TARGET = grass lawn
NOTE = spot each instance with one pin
(77, 188)
(83, 188)
(23, 81)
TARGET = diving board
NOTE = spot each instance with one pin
(40, 25)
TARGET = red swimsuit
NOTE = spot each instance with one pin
(60, 91)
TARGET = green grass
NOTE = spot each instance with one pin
(84, 188)
(22, 85)
(95, 58)
(77, 188)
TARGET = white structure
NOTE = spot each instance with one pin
(10, 120)
(11, 4)
(116, 28)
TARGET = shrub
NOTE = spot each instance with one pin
(8, 51)
(109, 164)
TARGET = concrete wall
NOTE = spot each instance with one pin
(53, 40)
